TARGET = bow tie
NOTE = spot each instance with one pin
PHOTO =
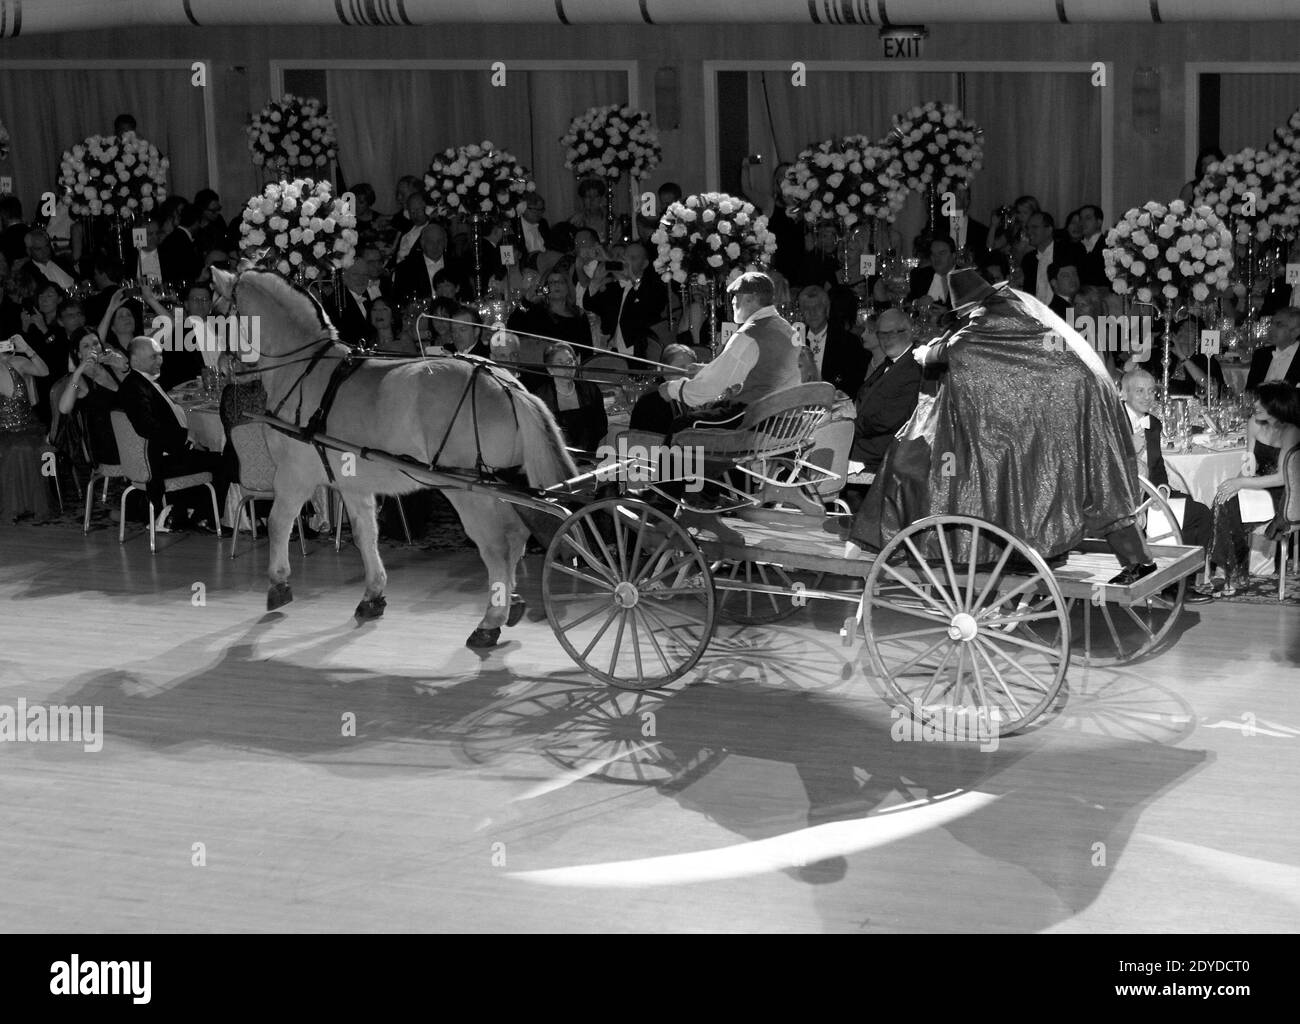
(1142, 423)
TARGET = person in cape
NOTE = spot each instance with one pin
(1027, 431)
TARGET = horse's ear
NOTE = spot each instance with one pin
(224, 282)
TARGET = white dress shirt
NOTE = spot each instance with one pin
(1281, 363)
(730, 368)
(54, 272)
(817, 346)
(1091, 243)
(533, 241)
(939, 289)
(1139, 425)
(1042, 286)
(150, 265)
(176, 409)
(432, 267)
(408, 241)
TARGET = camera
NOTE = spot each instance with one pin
(7, 347)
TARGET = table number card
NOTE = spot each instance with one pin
(139, 237)
(800, 338)
(6, 185)
(1292, 269)
(728, 329)
(507, 255)
(867, 265)
(1210, 343)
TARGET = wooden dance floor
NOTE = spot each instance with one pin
(502, 791)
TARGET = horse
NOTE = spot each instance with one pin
(444, 412)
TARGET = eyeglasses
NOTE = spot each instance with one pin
(901, 330)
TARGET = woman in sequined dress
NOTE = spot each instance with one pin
(23, 489)
(1273, 431)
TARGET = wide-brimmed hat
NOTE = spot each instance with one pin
(968, 289)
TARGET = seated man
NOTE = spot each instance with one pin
(1139, 390)
(157, 419)
(1027, 432)
(834, 354)
(889, 394)
(759, 359)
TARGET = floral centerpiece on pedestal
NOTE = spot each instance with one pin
(710, 236)
(938, 146)
(478, 179)
(298, 228)
(845, 181)
(291, 134)
(609, 142)
(1257, 190)
(1286, 137)
(1162, 252)
(114, 175)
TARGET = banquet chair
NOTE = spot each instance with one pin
(1288, 520)
(132, 449)
(611, 363)
(341, 510)
(98, 471)
(256, 479)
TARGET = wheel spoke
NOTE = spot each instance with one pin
(619, 544)
(993, 577)
(919, 658)
(929, 574)
(618, 640)
(654, 641)
(589, 557)
(567, 570)
(918, 632)
(916, 590)
(1034, 684)
(633, 566)
(688, 559)
(566, 626)
(636, 649)
(1110, 625)
(970, 571)
(1051, 652)
(958, 600)
(1019, 618)
(918, 613)
(943, 663)
(610, 560)
(1141, 625)
(1002, 683)
(653, 560)
(596, 639)
(1030, 584)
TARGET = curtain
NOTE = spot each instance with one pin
(47, 112)
(1251, 106)
(391, 123)
(1042, 131)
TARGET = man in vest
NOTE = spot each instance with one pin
(759, 359)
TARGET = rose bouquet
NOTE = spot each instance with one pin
(113, 174)
(478, 179)
(1286, 137)
(292, 133)
(1161, 252)
(709, 236)
(938, 146)
(609, 142)
(845, 180)
(298, 228)
(1261, 189)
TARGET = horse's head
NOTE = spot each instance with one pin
(289, 319)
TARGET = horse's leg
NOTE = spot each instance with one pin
(517, 535)
(484, 520)
(365, 531)
(290, 494)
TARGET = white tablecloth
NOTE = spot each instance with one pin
(1200, 471)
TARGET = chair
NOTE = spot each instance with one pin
(607, 372)
(256, 478)
(132, 449)
(341, 510)
(1288, 520)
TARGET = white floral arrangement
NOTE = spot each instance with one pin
(1286, 137)
(1272, 179)
(847, 181)
(109, 175)
(4, 142)
(298, 228)
(609, 142)
(938, 146)
(1158, 251)
(478, 178)
(710, 236)
(292, 133)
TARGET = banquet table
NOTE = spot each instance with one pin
(1200, 470)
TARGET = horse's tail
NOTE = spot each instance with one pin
(546, 461)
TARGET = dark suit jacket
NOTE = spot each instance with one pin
(1157, 472)
(885, 403)
(151, 417)
(919, 281)
(13, 242)
(179, 258)
(38, 280)
(1062, 249)
(411, 279)
(789, 234)
(1259, 364)
(844, 363)
(1092, 265)
(646, 306)
(584, 427)
(352, 323)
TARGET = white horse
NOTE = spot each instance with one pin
(438, 410)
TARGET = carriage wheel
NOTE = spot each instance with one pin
(628, 594)
(1118, 634)
(757, 608)
(942, 631)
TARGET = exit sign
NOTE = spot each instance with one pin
(906, 48)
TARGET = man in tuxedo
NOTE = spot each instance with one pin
(13, 229)
(183, 363)
(106, 276)
(178, 253)
(536, 230)
(1139, 390)
(41, 266)
(629, 303)
(417, 218)
(967, 233)
(1064, 279)
(1092, 262)
(407, 186)
(889, 393)
(415, 274)
(353, 320)
(933, 280)
(161, 422)
(837, 355)
(1277, 359)
(1047, 249)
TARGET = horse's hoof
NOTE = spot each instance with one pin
(517, 608)
(483, 638)
(371, 608)
(280, 594)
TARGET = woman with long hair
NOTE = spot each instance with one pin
(91, 389)
(122, 321)
(577, 405)
(1274, 430)
(24, 489)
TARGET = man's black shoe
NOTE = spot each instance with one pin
(1195, 595)
(1132, 573)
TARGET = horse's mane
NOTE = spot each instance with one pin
(309, 316)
